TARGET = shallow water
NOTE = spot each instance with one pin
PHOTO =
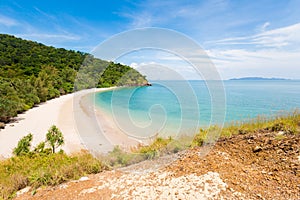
(180, 106)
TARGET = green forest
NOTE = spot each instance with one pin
(31, 73)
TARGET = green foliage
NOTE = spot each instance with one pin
(288, 123)
(43, 166)
(41, 149)
(157, 148)
(207, 136)
(24, 145)
(38, 170)
(54, 138)
(121, 75)
(31, 73)
(10, 102)
(21, 58)
(118, 157)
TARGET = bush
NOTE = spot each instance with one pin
(54, 138)
(24, 145)
(38, 170)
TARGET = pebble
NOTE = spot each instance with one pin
(84, 178)
(281, 133)
(257, 149)
(23, 191)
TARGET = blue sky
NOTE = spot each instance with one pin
(243, 38)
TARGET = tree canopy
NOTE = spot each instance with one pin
(31, 73)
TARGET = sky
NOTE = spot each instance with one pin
(242, 38)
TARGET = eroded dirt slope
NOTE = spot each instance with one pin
(251, 166)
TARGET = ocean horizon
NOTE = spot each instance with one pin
(176, 107)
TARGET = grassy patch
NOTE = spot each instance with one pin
(159, 147)
(288, 123)
(120, 158)
(38, 170)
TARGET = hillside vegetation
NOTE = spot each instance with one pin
(254, 157)
(31, 73)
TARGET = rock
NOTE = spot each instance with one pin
(23, 191)
(257, 149)
(280, 133)
(2, 125)
(259, 196)
(63, 186)
(84, 178)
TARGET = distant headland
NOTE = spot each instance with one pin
(257, 79)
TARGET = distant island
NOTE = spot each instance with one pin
(257, 79)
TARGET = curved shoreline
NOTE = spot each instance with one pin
(106, 125)
(61, 112)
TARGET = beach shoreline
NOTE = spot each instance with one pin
(113, 134)
(62, 112)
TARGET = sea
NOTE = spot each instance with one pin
(172, 107)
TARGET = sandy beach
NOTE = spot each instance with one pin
(83, 127)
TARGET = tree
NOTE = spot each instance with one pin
(24, 145)
(31, 73)
(54, 138)
(10, 103)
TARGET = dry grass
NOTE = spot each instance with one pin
(38, 170)
(288, 123)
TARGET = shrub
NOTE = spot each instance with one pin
(54, 138)
(23, 145)
(52, 169)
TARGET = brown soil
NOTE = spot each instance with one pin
(251, 166)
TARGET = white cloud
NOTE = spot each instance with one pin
(268, 63)
(281, 37)
(46, 36)
(134, 65)
(273, 53)
(6, 21)
(51, 17)
(264, 26)
(286, 36)
(165, 13)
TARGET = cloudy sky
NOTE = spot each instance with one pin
(242, 38)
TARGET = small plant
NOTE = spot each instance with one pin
(118, 157)
(156, 148)
(40, 149)
(54, 138)
(23, 146)
(207, 136)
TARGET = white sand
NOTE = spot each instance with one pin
(62, 112)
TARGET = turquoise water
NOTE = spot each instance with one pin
(180, 106)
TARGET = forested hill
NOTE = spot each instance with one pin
(31, 73)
